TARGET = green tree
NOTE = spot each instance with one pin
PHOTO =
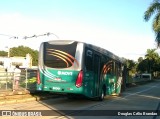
(154, 8)
(156, 65)
(131, 65)
(140, 59)
(152, 57)
(142, 66)
(150, 64)
(22, 51)
(3, 53)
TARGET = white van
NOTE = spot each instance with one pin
(146, 76)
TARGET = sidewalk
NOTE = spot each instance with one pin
(10, 97)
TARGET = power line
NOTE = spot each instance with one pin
(10, 36)
(34, 36)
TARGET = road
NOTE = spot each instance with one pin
(142, 101)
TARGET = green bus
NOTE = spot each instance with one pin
(77, 68)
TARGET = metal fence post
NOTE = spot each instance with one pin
(13, 81)
(26, 77)
(6, 79)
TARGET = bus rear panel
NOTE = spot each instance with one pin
(60, 68)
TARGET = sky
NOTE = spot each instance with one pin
(116, 25)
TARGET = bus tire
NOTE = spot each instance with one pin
(102, 95)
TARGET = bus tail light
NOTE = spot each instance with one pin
(38, 78)
(79, 79)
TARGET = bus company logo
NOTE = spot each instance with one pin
(59, 72)
(64, 73)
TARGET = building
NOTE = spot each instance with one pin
(11, 62)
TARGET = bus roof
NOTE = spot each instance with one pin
(106, 52)
(96, 48)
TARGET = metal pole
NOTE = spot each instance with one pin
(6, 79)
(13, 81)
(26, 78)
(8, 52)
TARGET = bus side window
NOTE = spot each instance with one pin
(89, 60)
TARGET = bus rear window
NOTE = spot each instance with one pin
(58, 55)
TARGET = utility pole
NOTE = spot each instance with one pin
(8, 52)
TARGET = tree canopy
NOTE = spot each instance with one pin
(3, 53)
(151, 63)
(22, 51)
(154, 9)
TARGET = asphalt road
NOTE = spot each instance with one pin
(142, 101)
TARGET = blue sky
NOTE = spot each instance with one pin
(116, 25)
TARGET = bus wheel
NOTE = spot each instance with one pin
(101, 97)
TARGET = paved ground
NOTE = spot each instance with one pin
(135, 100)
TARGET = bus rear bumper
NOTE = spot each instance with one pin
(64, 90)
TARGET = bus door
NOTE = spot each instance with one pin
(96, 74)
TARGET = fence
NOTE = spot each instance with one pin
(27, 80)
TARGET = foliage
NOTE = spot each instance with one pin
(151, 63)
(154, 8)
(142, 66)
(3, 53)
(32, 80)
(22, 51)
(151, 54)
(140, 59)
(131, 66)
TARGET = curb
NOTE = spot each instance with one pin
(20, 98)
(15, 101)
